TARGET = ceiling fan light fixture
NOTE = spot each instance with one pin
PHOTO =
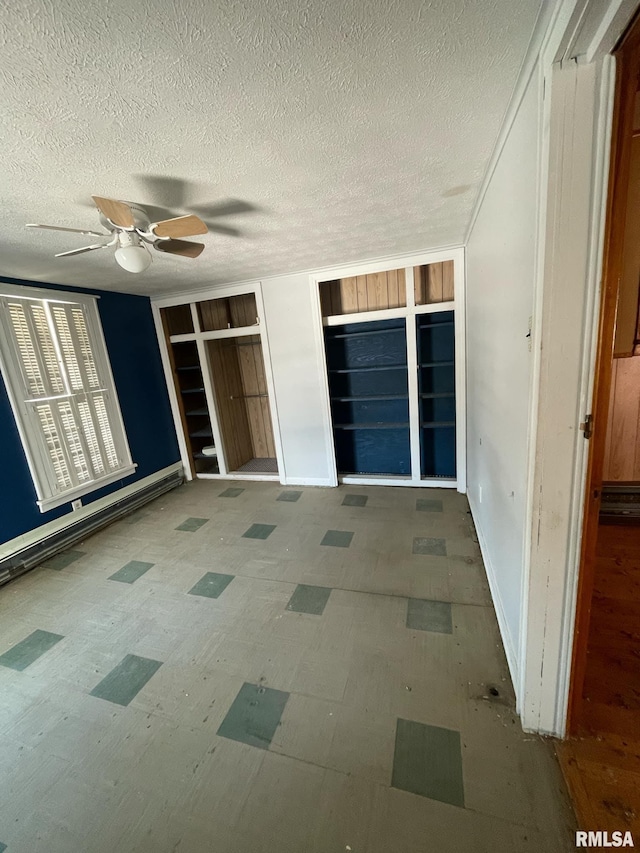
(128, 224)
(133, 258)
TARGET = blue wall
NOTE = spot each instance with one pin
(132, 345)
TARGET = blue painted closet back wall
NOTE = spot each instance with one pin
(132, 345)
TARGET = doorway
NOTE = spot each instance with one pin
(602, 757)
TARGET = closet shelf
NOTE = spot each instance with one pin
(246, 396)
(435, 325)
(433, 395)
(368, 369)
(190, 367)
(436, 424)
(371, 398)
(369, 332)
(197, 413)
(205, 432)
(436, 364)
(191, 390)
(377, 425)
(242, 343)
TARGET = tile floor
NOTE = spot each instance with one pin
(261, 670)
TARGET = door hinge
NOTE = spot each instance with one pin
(587, 426)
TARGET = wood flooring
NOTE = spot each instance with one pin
(602, 764)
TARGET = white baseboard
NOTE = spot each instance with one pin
(364, 480)
(308, 481)
(256, 476)
(32, 537)
(507, 639)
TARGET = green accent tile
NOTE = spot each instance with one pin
(309, 599)
(61, 561)
(355, 500)
(254, 715)
(211, 585)
(424, 615)
(337, 538)
(428, 761)
(24, 653)
(231, 493)
(289, 497)
(126, 680)
(192, 524)
(131, 572)
(427, 505)
(259, 531)
(432, 547)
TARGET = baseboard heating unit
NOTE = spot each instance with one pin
(70, 532)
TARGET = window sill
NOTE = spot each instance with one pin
(46, 504)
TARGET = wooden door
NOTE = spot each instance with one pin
(616, 255)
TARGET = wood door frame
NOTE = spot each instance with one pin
(627, 57)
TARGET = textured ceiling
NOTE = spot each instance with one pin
(322, 131)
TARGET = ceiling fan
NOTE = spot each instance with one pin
(131, 231)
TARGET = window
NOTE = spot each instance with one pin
(59, 381)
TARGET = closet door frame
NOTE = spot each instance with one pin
(410, 312)
(200, 337)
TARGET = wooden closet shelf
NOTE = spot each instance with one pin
(433, 395)
(369, 332)
(192, 390)
(196, 413)
(436, 325)
(436, 424)
(189, 367)
(368, 369)
(371, 398)
(378, 425)
(205, 432)
(242, 343)
(436, 364)
(246, 396)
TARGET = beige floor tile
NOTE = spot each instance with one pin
(79, 773)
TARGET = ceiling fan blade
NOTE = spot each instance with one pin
(83, 249)
(181, 226)
(180, 247)
(70, 230)
(117, 211)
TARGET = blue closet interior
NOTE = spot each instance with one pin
(368, 386)
(436, 389)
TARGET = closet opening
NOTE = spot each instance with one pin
(242, 402)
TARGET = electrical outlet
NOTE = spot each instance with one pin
(479, 494)
(77, 504)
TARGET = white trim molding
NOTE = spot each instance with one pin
(409, 313)
(55, 362)
(200, 337)
(564, 345)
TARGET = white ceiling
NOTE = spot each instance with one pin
(346, 129)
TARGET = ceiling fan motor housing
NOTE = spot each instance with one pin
(140, 216)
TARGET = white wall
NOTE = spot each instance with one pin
(501, 258)
(296, 360)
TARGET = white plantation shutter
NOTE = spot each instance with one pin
(56, 367)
